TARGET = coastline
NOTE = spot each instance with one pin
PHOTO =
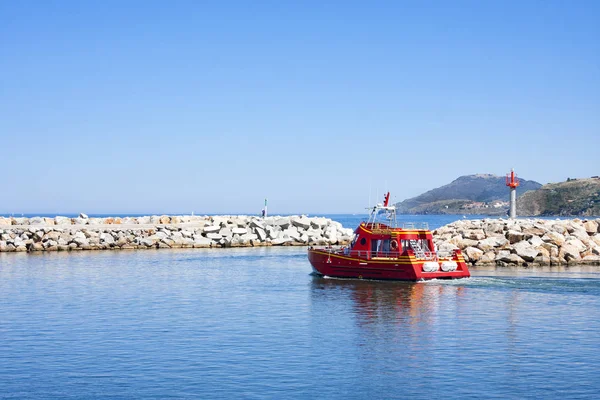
(483, 242)
(523, 242)
(156, 232)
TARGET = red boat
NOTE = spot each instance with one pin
(382, 250)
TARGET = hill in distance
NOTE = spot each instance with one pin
(575, 197)
(469, 194)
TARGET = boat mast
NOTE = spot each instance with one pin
(386, 209)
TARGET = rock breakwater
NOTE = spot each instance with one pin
(150, 232)
(523, 242)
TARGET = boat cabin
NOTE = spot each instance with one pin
(374, 240)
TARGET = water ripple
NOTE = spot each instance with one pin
(253, 323)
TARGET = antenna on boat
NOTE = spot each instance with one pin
(383, 211)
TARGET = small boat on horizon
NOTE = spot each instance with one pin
(382, 250)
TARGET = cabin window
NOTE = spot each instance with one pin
(375, 247)
(422, 242)
(405, 244)
(363, 241)
(386, 246)
(380, 247)
(354, 239)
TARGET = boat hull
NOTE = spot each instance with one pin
(406, 268)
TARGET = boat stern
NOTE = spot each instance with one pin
(453, 267)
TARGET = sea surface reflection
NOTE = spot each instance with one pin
(484, 336)
(254, 323)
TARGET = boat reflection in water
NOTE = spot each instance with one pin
(403, 309)
(508, 337)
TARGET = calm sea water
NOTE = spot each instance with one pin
(253, 323)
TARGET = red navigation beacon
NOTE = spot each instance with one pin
(511, 180)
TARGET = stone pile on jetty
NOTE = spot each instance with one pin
(523, 242)
(83, 233)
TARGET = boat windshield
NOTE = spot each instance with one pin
(383, 214)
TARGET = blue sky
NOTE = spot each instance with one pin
(174, 107)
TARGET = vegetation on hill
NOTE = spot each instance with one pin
(576, 197)
(470, 194)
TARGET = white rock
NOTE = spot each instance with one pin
(249, 236)
(514, 236)
(331, 231)
(592, 259)
(446, 248)
(491, 243)
(186, 233)
(464, 243)
(301, 222)
(591, 227)
(160, 235)
(476, 234)
(283, 222)
(225, 232)
(578, 244)
(106, 238)
(487, 258)
(262, 235)
(257, 223)
(36, 221)
(219, 220)
(212, 229)
(333, 239)
(525, 250)
(509, 258)
(319, 222)
(203, 242)
(473, 253)
(280, 241)
(292, 234)
(62, 220)
(240, 231)
(80, 239)
(536, 241)
(554, 238)
(569, 252)
(79, 235)
(148, 242)
(273, 232)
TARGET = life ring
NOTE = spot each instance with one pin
(394, 245)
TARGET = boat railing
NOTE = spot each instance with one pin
(368, 255)
(386, 230)
(382, 231)
(415, 225)
(373, 254)
(445, 254)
